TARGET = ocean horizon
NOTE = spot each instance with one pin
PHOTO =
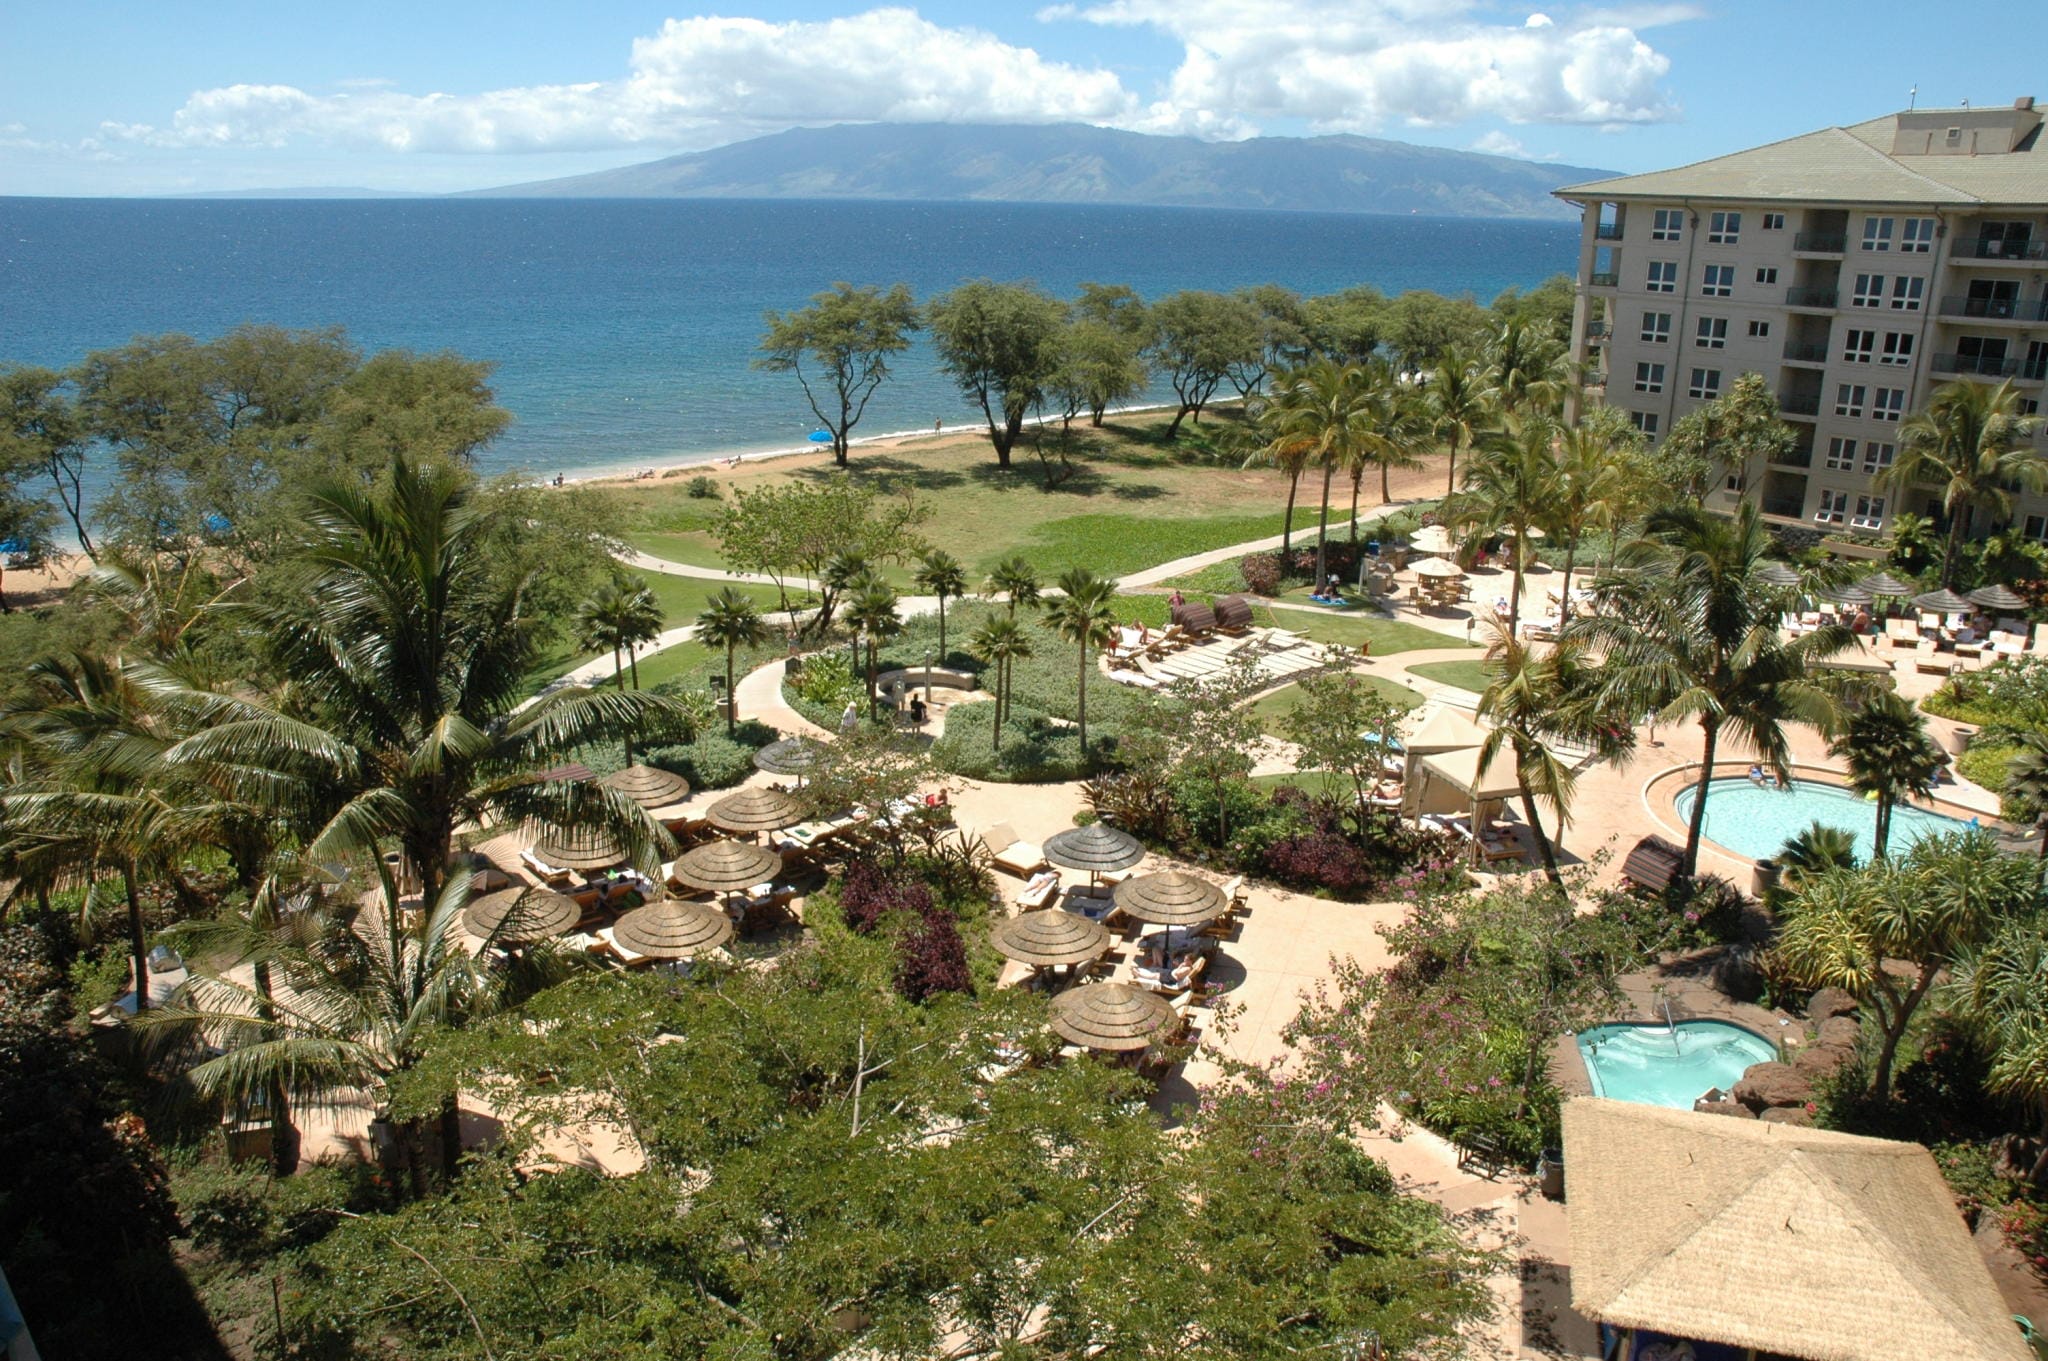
(623, 331)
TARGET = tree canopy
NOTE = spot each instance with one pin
(849, 336)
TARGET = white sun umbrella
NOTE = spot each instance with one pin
(1431, 539)
(1442, 569)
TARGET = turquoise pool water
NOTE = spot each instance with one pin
(1757, 820)
(1664, 1067)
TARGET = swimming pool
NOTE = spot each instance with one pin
(1657, 1066)
(1757, 820)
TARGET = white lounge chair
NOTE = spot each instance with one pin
(1006, 852)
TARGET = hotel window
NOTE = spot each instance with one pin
(1774, 222)
(1898, 348)
(1858, 346)
(1663, 276)
(1876, 457)
(1759, 330)
(1869, 512)
(1724, 229)
(1656, 326)
(1869, 291)
(1767, 274)
(1706, 384)
(1917, 237)
(1712, 333)
(1666, 224)
(1849, 399)
(1841, 455)
(1718, 281)
(2036, 527)
(1645, 421)
(1887, 404)
(1877, 233)
(1833, 504)
(1649, 377)
(1906, 293)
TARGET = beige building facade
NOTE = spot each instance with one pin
(1856, 268)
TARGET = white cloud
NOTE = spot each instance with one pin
(697, 81)
(1498, 143)
(1364, 65)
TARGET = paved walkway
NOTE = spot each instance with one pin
(1195, 562)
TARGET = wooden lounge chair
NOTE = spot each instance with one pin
(1006, 852)
(1039, 890)
(1934, 664)
(1902, 631)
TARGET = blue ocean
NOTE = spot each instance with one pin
(623, 331)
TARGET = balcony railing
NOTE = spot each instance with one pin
(1826, 243)
(1799, 404)
(1980, 365)
(1997, 309)
(1811, 297)
(1801, 352)
(1597, 379)
(1782, 507)
(1794, 458)
(1608, 231)
(1607, 280)
(1985, 248)
(1596, 330)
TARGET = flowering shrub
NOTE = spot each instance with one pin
(1318, 860)
(932, 958)
(1261, 572)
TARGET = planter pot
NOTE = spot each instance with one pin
(1550, 1171)
(1958, 740)
(1765, 878)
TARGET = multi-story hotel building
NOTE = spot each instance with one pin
(1857, 269)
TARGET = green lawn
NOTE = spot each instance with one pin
(1473, 676)
(696, 548)
(1386, 636)
(1271, 710)
(684, 598)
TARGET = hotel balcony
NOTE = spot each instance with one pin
(1782, 507)
(1596, 330)
(1977, 365)
(1812, 297)
(1978, 248)
(1608, 231)
(1806, 352)
(1799, 404)
(1606, 280)
(1794, 458)
(1996, 309)
(1821, 243)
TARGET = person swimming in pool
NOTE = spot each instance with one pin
(1756, 776)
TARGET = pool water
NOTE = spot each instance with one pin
(1757, 820)
(1657, 1066)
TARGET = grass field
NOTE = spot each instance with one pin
(1271, 710)
(1473, 676)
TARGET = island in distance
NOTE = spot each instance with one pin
(1076, 163)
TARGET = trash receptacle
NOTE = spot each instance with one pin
(1766, 879)
(1958, 741)
(1551, 1170)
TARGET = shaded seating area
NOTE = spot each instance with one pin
(1193, 619)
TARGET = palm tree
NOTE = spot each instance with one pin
(1000, 642)
(1510, 489)
(731, 621)
(408, 715)
(1015, 578)
(1396, 428)
(1288, 451)
(1885, 743)
(940, 573)
(2026, 777)
(1814, 851)
(1459, 407)
(1527, 371)
(1689, 628)
(620, 615)
(1315, 417)
(1082, 614)
(871, 608)
(1588, 488)
(1973, 444)
(2002, 990)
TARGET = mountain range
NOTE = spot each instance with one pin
(1076, 163)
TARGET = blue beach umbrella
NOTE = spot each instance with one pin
(12, 546)
(217, 523)
(821, 437)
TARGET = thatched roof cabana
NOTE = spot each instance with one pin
(754, 810)
(648, 786)
(1115, 1017)
(1803, 1242)
(673, 929)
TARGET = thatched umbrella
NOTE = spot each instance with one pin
(1850, 593)
(1998, 597)
(1048, 939)
(648, 786)
(1943, 601)
(790, 756)
(1097, 848)
(519, 916)
(1171, 898)
(673, 929)
(754, 810)
(1778, 574)
(1441, 569)
(582, 848)
(1110, 1016)
(727, 866)
(1884, 583)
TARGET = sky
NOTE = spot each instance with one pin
(122, 97)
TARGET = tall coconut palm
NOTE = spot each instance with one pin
(1001, 642)
(871, 608)
(1884, 740)
(1396, 430)
(1315, 417)
(1690, 630)
(1287, 450)
(1974, 445)
(1510, 490)
(1588, 487)
(408, 715)
(1015, 579)
(1083, 614)
(619, 616)
(2026, 776)
(940, 573)
(731, 621)
(1459, 404)
(1527, 371)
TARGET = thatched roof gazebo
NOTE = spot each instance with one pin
(1050, 939)
(1115, 1017)
(1097, 848)
(726, 866)
(648, 786)
(1800, 1242)
(789, 756)
(1997, 596)
(1171, 898)
(581, 848)
(673, 929)
(1943, 601)
(520, 916)
(754, 810)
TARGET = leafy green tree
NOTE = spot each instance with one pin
(871, 607)
(792, 532)
(619, 616)
(1736, 431)
(1118, 307)
(730, 621)
(1419, 326)
(1083, 613)
(1344, 728)
(39, 424)
(1460, 406)
(1883, 740)
(1510, 489)
(1885, 932)
(1203, 731)
(849, 334)
(1690, 629)
(1002, 643)
(2001, 990)
(1099, 366)
(1016, 579)
(1197, 339)
(1545, 309)
(1344, 327)
(2026, 778)
(1283, 336)
(940, 574)
(1972, 443)
(1001, 344)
